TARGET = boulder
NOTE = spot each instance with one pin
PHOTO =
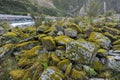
(100, 39)
(78, 75)
(70, 32)
(26, 45)
(113, 64)
(17, 74)
(48, 43)
(63, 40)
(81, 51)
(51, 73)
(8, 48)
(62, 65)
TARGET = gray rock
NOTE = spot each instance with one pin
(51, 73)
(70, 32)
(100, 39)
(81, 51)
(97, 79)
(2, 30)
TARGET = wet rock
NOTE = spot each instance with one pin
(51, 73)
(81, 51)
(100, 39)
(48, 43)
(62, 40)
(70, 32)
(78, 75)
(62, 65)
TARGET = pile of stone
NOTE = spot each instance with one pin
(64, 51)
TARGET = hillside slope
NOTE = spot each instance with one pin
(50, 7)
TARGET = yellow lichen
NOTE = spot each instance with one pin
(9, 34)
(63, 64)
(63, 39)
(102, 51)
(78, 74)
(48, 43)
(55, 58)
(32, 52)
(24, 62)
(17, 74)
(98, 66)
(25, 43)
(68, 69)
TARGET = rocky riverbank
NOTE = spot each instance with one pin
(62, 51)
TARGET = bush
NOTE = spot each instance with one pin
(93, 8)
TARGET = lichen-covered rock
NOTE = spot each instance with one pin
(42, 28)
(112, 63)
(105, 75)
(26, 45)
(116, 42)
(17, 74)
(32, 52)
(98, 66)
(25, 62)
(48, 43)
(81, 51)
(70, 32)
(100, 39)
(62, 65)
(8, 48)
(63, 40)
(102, 52)
(54, 57)
(9, 34)
(68, 69)
(90, 71)
(79, 75)
(110, 36)
(113, 31)
(51, 73)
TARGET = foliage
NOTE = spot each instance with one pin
(92, 72)
(109, 13)
(93, 8)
